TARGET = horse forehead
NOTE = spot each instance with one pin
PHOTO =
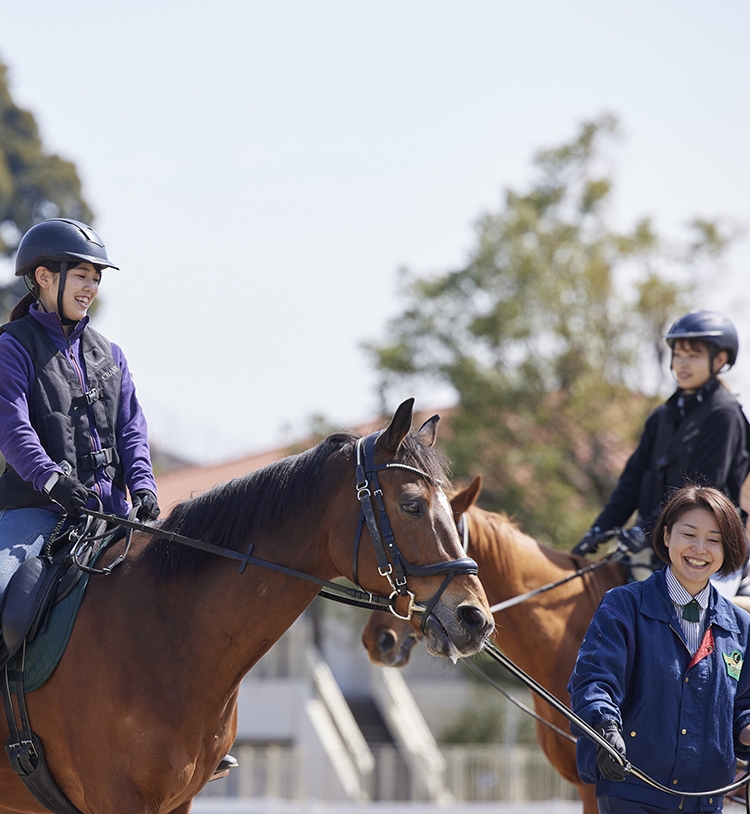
(443, 502)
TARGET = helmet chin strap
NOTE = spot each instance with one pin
(60, 290)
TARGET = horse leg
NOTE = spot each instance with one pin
(587, 793)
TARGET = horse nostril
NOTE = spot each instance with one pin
(387, 641)
(472, 617)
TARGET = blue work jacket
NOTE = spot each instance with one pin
(681, 715)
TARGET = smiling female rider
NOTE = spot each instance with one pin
(69, 417)
(660, 673)
(700, 434)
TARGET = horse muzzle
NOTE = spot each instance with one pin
(457, 632)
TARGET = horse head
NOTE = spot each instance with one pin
(389, 640)
(406, 543)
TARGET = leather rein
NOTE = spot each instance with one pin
(618, 554)
(392, 565)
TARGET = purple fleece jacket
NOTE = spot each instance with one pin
(19, 442)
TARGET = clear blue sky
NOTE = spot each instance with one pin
(260, 170)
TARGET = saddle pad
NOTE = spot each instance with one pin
(44, 653)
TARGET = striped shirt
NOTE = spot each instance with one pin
(680, 597)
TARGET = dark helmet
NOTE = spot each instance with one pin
(708, 326)
(62, 240)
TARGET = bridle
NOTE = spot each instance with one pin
(391, 562)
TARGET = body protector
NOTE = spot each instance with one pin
(65, 413)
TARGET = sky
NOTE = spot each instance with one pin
(260, 171)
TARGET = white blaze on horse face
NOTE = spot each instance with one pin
(445, 505)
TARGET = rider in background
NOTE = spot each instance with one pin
(70, 422)
(700, 434)
(660, 672)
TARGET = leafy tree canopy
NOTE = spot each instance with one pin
(551, 337)
(34, 184)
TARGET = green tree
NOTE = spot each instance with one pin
(34, 183)
(550, 337)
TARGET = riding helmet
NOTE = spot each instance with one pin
(60, 239)
(707, 326)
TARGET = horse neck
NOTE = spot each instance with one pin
(510, 562)
(236, 617)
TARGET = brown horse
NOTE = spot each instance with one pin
(144, 702)
(541, 635)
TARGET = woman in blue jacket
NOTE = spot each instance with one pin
(70, 422)
(660, 673)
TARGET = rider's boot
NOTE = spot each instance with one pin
(225, 764)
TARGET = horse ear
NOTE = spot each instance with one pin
(462, 501)
(390, 439)
(427, 433)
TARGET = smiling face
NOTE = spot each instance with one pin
(691, 364)
(81, 288)
(695, 549)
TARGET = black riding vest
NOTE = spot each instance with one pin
(675, 446)
(63, 411)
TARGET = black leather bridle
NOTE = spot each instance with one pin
(391, 562)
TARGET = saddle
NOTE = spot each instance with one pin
(38, 584)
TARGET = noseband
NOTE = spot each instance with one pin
(391, 562)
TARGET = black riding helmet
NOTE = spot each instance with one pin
(65, 241)
(710, 327)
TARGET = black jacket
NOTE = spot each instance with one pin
(702, 437)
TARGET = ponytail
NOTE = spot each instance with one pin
(21, 308)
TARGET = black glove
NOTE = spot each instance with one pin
(144, 500)
(609, 765)
(634, 539)
(71, 494)
(589, 542)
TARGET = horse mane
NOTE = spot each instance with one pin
(490, 529)
(229, 512)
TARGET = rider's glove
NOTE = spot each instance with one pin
(70, 494)
(608, 765)
(146, 505)
(634, 539)
(589, 542)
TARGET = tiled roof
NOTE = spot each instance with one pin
(181, 484)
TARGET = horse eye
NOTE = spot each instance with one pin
(412, 507)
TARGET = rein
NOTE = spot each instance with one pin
(591, 733)
(367, 600)
(616, 555)
(391, 563)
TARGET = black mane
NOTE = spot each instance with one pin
(227, 514)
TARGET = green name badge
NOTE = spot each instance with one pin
(734, 664)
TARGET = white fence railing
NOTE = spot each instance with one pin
(426, 763)
(473, 774)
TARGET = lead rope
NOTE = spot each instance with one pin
(591, 733)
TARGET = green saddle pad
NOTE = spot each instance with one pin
(43, 654)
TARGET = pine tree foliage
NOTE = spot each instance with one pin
(34, 183)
